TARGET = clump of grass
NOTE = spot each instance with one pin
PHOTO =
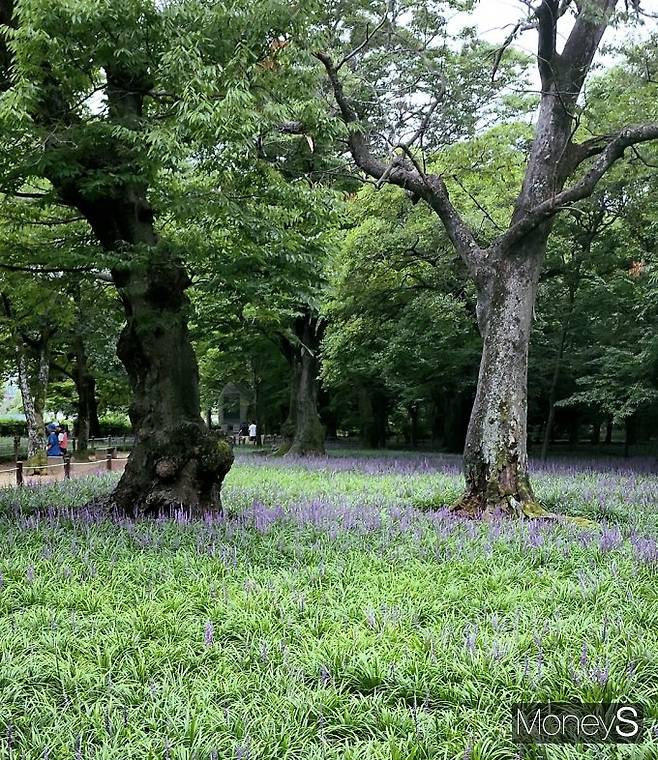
(323, 616)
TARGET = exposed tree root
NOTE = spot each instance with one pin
(477, 506)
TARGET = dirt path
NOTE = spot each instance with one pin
(56, 471)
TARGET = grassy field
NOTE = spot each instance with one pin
(329, 614)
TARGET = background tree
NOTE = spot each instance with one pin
(505, 271)
(107, 97)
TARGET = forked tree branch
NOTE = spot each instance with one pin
(613, 151)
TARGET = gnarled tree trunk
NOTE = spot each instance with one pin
(177, 462)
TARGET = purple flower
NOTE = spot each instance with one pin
(610, 539)
(325, 675)
(601, 675)
(29, 573)
(209, 634)
(470, 639)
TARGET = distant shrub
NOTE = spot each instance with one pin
(115, 424)
(11, 427)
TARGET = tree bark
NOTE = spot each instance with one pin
(495, 454)
(552, 396)
(373, 413)
(176, 462)
(33, 393)
(412, 410)
(303, 427)
(87, 406)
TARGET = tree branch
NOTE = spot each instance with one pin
(363, 45)
(404, 174)
(583, 42)
(547, 55)
(614, 150)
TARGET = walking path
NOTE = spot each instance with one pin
(56, 471)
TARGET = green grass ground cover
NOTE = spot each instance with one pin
(328, 614)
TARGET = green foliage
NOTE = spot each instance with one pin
(11, 427)
(383, 632)
(115, 424)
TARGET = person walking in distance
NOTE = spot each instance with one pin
(253, 431)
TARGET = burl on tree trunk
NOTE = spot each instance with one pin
(177, 462)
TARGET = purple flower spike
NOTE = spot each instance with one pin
(209, 634)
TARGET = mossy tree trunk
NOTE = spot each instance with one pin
(495, 454)
(177, 462)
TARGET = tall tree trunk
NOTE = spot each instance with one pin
(552, 396)
(609, 424)
(294, 373)
(367, 428)
(85, 385)
(595, 437)
(94, 421)
(495, 454)
(630, 437)
(33, 393)
(412, 410)
(308, 438)
(176, 461)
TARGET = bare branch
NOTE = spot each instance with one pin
(363, 45)
(404, 174)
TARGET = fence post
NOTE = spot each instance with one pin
(17, 446)
(19, 473)
(75, 444)
(108, 461)
(67, 467)
(109, 443)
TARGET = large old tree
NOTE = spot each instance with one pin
(101, 99)
(560, 170)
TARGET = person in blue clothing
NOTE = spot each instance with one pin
(53, 442)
